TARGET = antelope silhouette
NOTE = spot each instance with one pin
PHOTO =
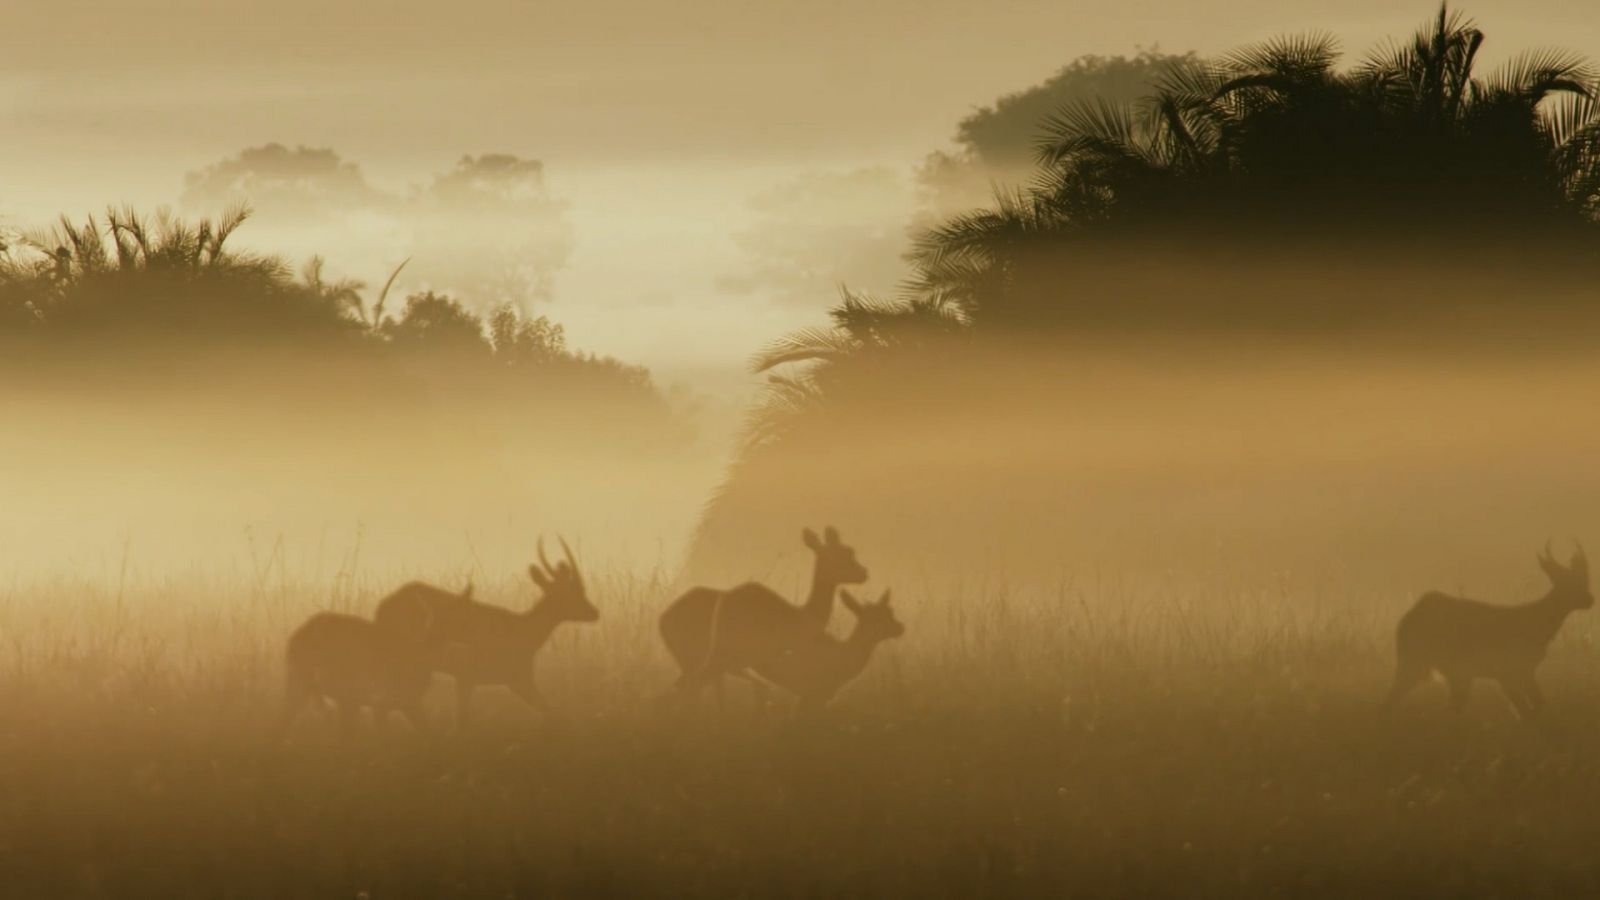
(385, 663)
(757, 612)
(1465, 640)
(485, 645)
(817, 671)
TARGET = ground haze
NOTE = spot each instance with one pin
(1155, 376)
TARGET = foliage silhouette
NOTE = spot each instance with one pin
(995, 144)
(1266, 193)
(1410, 149)
(134, 275)
(93, 301)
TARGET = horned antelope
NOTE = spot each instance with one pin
(1464, 640)
(423, 613)
(758, 610)
(384, 663)
(490, 645)
(813, 666)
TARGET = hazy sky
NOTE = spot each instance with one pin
(659, 121)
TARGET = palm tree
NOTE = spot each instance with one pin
(1274, 139)
(1178, 211)
(807, 368)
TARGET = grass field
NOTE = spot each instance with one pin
(1073, 741)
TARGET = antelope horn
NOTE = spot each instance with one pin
(571, 563)
(543, 560)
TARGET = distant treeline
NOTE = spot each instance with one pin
(127, 299)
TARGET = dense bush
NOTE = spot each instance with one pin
(1263, 200)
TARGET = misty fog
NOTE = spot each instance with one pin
(526, 450)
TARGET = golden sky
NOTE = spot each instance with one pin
(658, 121)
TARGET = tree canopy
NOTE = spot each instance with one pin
(1269, 192)
(107, 290)
(995, 144)
(1232, 166)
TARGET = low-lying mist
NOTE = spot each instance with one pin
(1256, 461)
(205, 466)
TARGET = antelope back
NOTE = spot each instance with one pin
(420, 614)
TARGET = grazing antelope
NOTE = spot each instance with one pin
(1464, 640)
(686, 625)
(384, 663)
(490, 645)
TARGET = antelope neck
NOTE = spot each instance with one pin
(822, 588)
(856, 649)
(540, 622)
(1550, 611)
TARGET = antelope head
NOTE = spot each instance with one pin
(1569, 584)
(875, 622)
(563, 592)
(835, 561)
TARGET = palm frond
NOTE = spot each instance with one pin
(383, 295)
(779, 408)
(805, 345)
(1571, 115)
(229, 222)
(1298, 56)
(1534, 75)
(1092, 127)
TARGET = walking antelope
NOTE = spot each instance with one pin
(384, 664)
(490, 645)
(812, 665)
(756, 610)
(1464, 640)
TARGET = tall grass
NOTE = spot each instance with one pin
(1085, 739)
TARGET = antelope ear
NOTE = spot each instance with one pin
(831, 535)
(850, 602)
(539, 578)
(810, 537)
(466, 592)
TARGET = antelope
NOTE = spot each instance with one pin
(383, 664)
(758, 610)
(1464, 640)
(490, 645)
(813, 665)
